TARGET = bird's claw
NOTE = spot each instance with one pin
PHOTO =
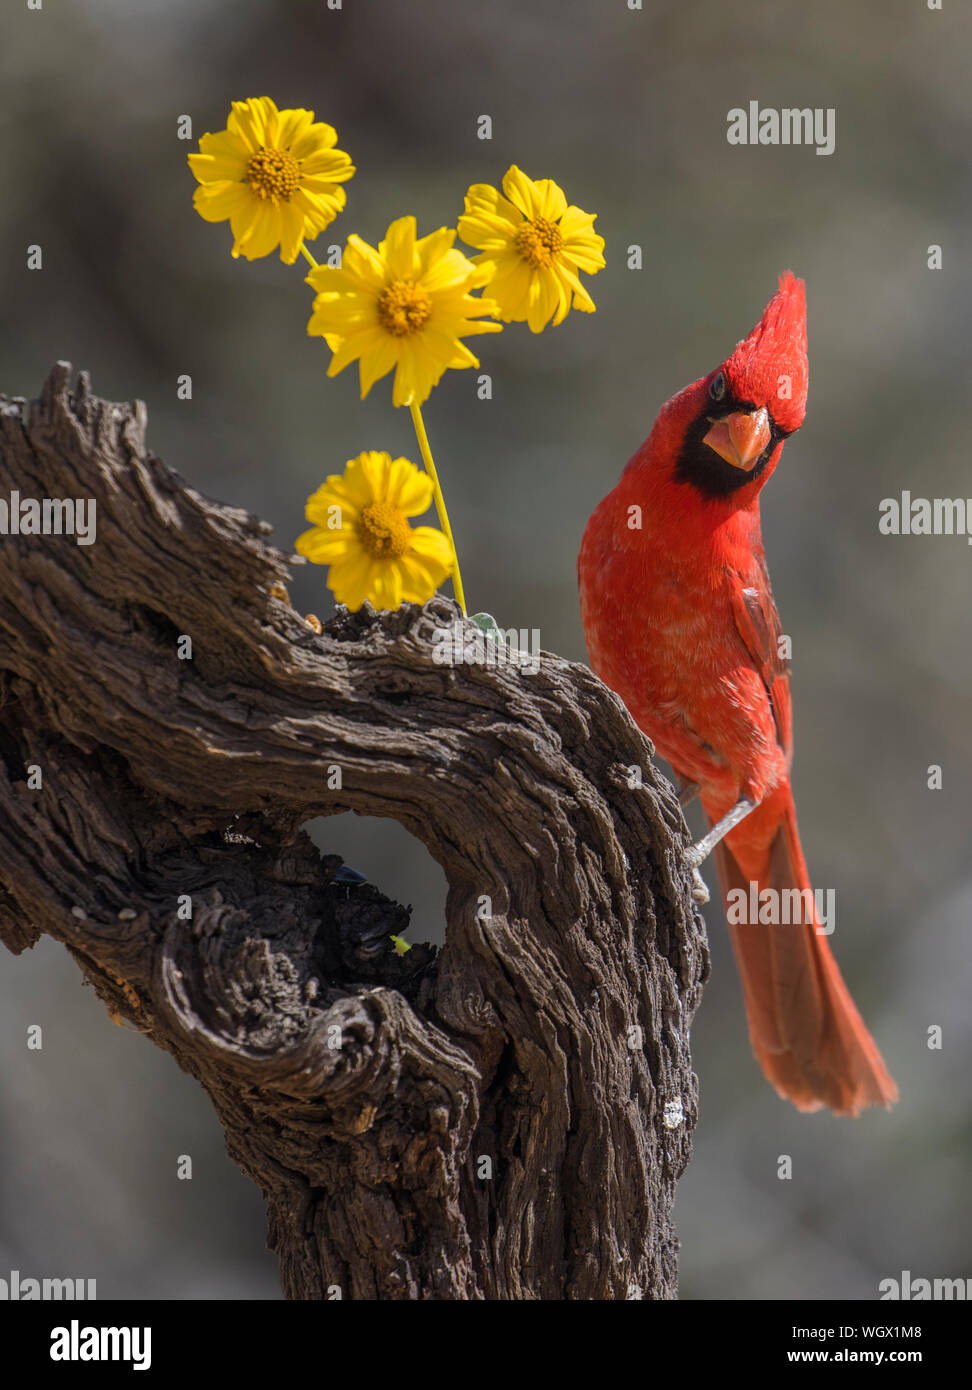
(700, 892)
(695, 855)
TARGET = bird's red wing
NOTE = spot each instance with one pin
(758, 624)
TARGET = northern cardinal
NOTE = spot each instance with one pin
(680, 621)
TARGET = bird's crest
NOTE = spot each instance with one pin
(770, 366)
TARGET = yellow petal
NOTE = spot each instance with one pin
(292, 233)
(253, 120)
(432, 548)
(582, 299)
(347, 316)
(519, 189)
(451, 270)
(263, 233)
(339, 312)
(487, 233)
(344, 354)
(369, 472)
(323, 185)
(559, 291)
(470, 327)
(582, 245)
(319, 210)
(377, 362)
(482, 195)
(416, 374)
(540, 302)
(221, 156)
(327, 166)
(363, 264)
(398, 248)
(463, 357)
(483, 270)
(577, 222)
(328, 279)
(291, 125)
(420, 580)
(271, 119)
(314, 142)
(511, 288)
(216, 201)
(348, 578)
(362, 475)
(334, 493)
(322, 547)
(385, 584)
(586, 257)
(435, 251)
(550, 200)
(483, 201)
(408, 489)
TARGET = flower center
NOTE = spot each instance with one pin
(384, 531)
(273, 174)
(538, 241)
(403, 308)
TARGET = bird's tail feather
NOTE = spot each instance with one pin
(804, 1027)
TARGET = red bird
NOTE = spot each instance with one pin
(680, 621)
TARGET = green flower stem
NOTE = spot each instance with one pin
(440, 506)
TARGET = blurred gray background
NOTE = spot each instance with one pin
(627, 110)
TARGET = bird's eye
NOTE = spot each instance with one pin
(717, 388)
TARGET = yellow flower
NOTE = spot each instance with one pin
(275, 174)
(361, 530)
(533, 245)
(406, 305)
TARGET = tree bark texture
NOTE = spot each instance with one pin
(506, 1118)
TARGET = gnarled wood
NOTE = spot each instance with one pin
(506, 1118)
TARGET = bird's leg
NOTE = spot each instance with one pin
(704, 847)
(687, 792)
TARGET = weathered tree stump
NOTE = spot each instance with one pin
(505, 1118)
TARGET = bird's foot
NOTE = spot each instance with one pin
(700, 892)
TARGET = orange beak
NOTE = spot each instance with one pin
(740, 438)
